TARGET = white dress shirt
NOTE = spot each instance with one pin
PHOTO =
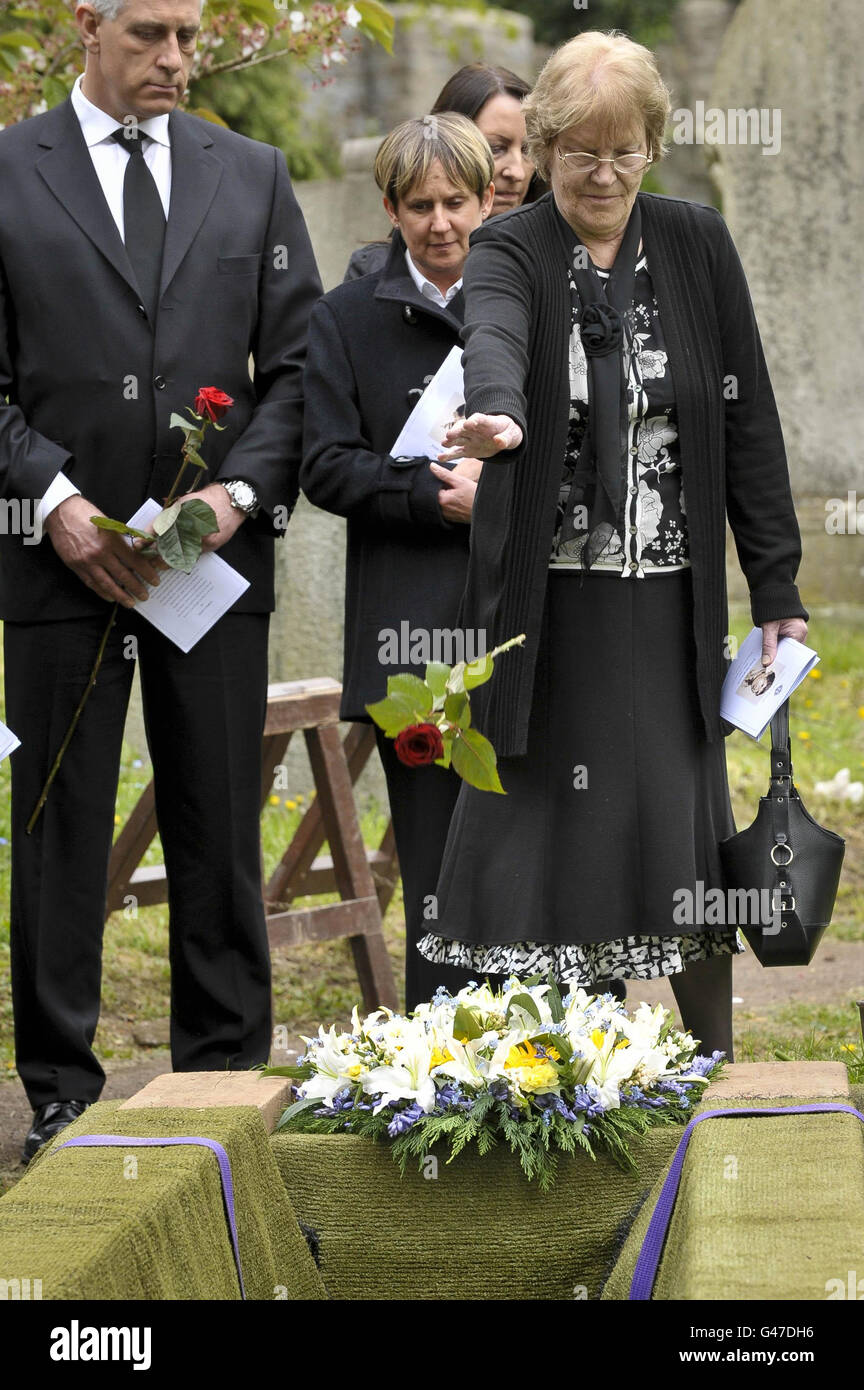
(426, 287)
(109, 161)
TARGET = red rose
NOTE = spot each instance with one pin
(419, 745)
(213, 402)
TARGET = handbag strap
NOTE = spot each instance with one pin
(780, 788)
(645, 1273)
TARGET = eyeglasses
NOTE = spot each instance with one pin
(582, 163)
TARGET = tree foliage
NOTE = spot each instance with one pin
(41, 55)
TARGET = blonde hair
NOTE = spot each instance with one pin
(406, 155)
(597, 77)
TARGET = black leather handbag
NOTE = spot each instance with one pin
(790, 859)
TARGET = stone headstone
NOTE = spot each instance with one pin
(795, 205)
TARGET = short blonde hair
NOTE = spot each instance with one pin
(406, 155)
(597, 77)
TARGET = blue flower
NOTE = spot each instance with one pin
(404, 1119)
(703, 1066)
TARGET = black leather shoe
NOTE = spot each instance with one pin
(48, 1120)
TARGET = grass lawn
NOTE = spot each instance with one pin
(316, 983)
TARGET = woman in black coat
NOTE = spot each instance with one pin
(615, 381)
(374, 345)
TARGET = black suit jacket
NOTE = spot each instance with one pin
(91, 383)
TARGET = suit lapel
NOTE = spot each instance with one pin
(195, 177)
(68, 171)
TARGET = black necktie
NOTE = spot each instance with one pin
(143, 218)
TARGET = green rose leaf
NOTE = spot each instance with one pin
(198, 517)
(105, 523)
(478, 672)
(474, 760)
(179, 422)
(457, 709)
(193, 457)
(393, 714)
(436, 678)
(412, 688)
(180, 544)
(166, 518)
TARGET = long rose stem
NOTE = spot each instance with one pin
(43, 795)
(76, 716)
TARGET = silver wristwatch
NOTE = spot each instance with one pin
(243, 496)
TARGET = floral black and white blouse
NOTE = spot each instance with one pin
(655, 531)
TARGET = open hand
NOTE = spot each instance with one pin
(480, 437)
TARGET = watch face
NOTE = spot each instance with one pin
(243, 495)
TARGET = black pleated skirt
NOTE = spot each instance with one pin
(619, 803)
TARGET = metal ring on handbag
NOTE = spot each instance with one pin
(786, 862)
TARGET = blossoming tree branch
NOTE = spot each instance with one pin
(40, 50)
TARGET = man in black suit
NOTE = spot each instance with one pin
(144, 253)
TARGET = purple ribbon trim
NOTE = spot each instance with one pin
(120, 1141)
(652, 1246)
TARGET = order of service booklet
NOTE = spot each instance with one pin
(438, 409)
(185, 606)
(753, 693)
(8, 742)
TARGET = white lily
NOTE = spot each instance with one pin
(409, 1079)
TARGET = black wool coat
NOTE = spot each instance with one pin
(374, 345)
(517, 325)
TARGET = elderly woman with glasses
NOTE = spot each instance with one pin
(615, 379)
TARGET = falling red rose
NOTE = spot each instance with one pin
(419, 745)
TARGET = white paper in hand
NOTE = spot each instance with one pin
(437, 410)
(185, 606)
(8, 742)
(753, 693)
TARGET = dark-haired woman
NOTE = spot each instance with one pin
(492, 98)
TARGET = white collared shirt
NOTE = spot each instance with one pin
(427, 289)
(109, 161)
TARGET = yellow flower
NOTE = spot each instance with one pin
(537, 1077)
(525, 1054)
(809, 703)
(291, 805)
(355, 1070)
(598, 1037)
(439, 1057)
(274, 800)
(848, 1047)
(625, 1042)
(815, 675)
(802, 733)
(861, 711)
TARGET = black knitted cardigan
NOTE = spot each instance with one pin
(517, 324)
